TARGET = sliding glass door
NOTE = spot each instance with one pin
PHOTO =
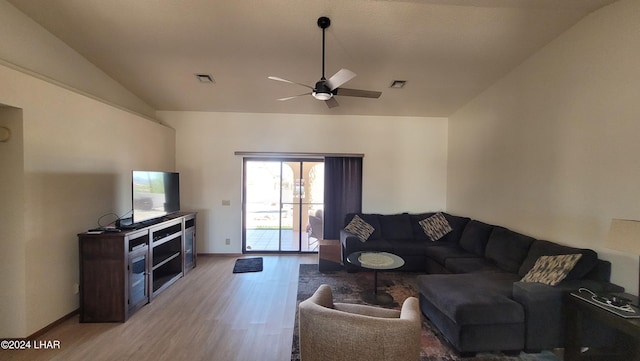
(282, 205)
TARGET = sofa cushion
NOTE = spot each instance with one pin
(550, 270)
(507, 248)
(469, 299)
(418, 232)
(468, 265)
(475, 236)
(396, 226)
(360, 228)
(409, 247)
(435, 226)
(539, 248)
(376, 245)
(444, 252)
(370, 218)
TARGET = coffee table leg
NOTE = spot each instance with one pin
(375, 283)
(375, 297)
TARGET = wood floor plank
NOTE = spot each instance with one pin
(211, 314)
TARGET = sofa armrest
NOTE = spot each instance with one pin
(367, 310)
(544, 321)
(544, 309)
(346, 237)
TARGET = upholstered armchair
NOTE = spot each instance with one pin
(339, 331)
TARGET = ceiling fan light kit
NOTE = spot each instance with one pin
(322, 95)
(324, 89)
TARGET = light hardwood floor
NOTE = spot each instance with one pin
(211, 314)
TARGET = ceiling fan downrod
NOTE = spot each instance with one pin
(323, 22)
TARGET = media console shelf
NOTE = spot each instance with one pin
(123, 271)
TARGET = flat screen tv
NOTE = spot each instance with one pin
(155, 194)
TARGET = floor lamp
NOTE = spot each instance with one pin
(624, 235)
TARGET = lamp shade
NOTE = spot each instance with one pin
(624, 235)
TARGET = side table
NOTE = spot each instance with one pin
(376, 261)
(579, 309)
(329, 255)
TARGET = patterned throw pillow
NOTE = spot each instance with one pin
(435, 226)
(550, 270)
(360, 228)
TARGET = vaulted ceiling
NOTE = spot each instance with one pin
(447, 51)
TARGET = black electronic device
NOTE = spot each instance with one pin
(154, 194)
(103, 229)
(125, 223)
(617, 304)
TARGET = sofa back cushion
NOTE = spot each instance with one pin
(418, 231)
(507, 248)
(475, 237)
(371, 219)
(540, 248)
(396, 226)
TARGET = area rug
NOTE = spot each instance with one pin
(248, 265)
(347, 287)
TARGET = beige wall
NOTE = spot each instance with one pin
(12, 252)
(404, 164)
(552, 149)
(27, 46)
(77, 156)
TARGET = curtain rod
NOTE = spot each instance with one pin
(297, 154)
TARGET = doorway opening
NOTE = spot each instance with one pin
(283, 204)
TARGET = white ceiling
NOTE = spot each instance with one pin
(448, 51)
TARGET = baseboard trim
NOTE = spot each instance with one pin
(55, 323)
(219, 254)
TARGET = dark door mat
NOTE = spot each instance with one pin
(248, 265)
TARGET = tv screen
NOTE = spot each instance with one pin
(155, 194)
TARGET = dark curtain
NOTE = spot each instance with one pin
(342, 192)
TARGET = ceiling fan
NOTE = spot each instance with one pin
(326, 89)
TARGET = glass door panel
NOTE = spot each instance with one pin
(138, 278)
(261, 205)
(313, 204)
(288, 241)
(280, 196)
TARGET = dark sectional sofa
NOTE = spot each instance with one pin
(471, 289)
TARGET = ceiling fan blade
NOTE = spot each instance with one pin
(295, 96)
(339, 78)
(331, 102)
(357, 93)
(289, 81)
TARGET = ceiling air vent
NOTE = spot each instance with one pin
(205, 78)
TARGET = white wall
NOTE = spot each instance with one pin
(404, 164)
(77, 154)
(552, 149)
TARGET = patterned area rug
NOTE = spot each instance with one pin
(346, 288)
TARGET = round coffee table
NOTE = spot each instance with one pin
(376, 261)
